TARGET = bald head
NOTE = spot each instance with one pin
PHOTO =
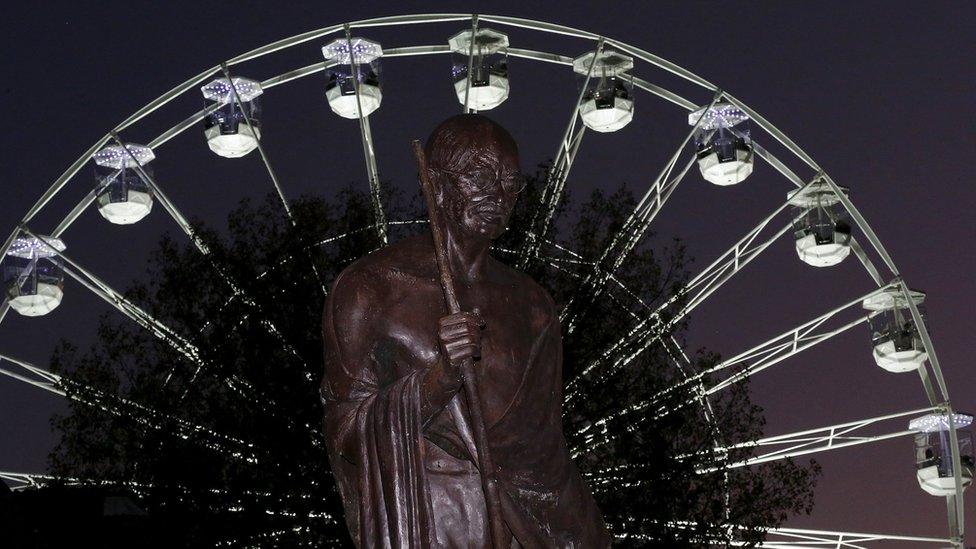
(468, 140)
(473, 161)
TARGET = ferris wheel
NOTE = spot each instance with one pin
(724, 142)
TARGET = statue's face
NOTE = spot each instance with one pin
(477, 198)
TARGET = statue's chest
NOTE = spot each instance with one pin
(512, 328)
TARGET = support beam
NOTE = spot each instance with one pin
(160, 330)
(123, 407)
(634, 227)
(765, 355)
(25, 480)
(862, 224)
(703, 285)
(261, 151)
(41, 379)
(164, 200)
(804, 537)
(790, 538)
(369, 151)
(810, 441)
(467, 89)
(201, 246)
(75, 212)
(955, 503)
(558, 173)
(786, 345)
(117, 300)
(271, 171)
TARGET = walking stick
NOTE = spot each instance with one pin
(497, 529)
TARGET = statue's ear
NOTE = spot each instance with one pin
(438, 188)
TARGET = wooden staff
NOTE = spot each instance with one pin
(497, 529)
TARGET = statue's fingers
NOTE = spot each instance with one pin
(456, 319)
(457, 330)
(462, 349)
(462, 341)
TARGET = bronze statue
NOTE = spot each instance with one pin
(400, 430)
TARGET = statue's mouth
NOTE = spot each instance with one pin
(490, 212)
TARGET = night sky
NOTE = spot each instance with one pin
(879, 94)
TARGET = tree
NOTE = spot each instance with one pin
(217, 428)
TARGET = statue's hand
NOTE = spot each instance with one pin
(460, 337)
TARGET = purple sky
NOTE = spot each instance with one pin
(879, 95)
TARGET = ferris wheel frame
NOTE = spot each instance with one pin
(698, 290)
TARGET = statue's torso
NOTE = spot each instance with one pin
(515, 310)
(399, 304)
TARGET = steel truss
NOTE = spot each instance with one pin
(646, 331)
(634, 227)
(642, 335)
(790, 538)
(820, 439)
(122, 407)
(558, 173)
(765, 355)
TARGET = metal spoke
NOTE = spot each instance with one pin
(88, 200)
(160, 330)
(163, 199)
(123, 407)
(202, 247)
(634, 228)
(862, 224)
(369, 151)
(474, 38)
(810, 441)
(117, 300)
(42, 379)
(754, 360)
(558, 172)
(803, 537)
(267, 164)
(703, 285)
(264, 155)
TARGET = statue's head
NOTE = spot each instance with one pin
(474, 165)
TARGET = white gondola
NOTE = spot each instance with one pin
(124, 197)
(724, 146)
(489, 68)
(934, 463)
(897, 344)
(608, 100)
(226, 129)
(823, 238)
(33, 275)
(352, 68)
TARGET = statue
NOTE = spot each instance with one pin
(398, 423)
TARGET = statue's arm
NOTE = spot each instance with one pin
(459, 338)
(350, 378)
(356, 369)
(441, 382)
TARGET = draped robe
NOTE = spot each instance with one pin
(409, 484)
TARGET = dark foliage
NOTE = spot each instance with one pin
(218, 425)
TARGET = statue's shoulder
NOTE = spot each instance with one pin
(390, 269)
(538, 297)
